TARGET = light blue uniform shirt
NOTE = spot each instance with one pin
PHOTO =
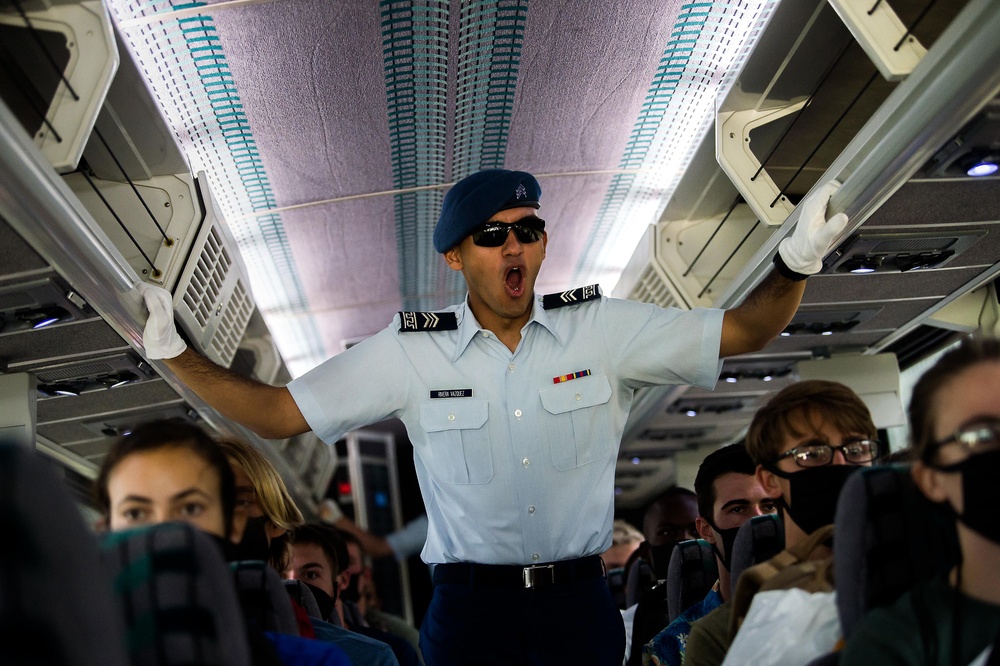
(519, 470)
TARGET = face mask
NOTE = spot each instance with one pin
(728, 541)
(813, 494)
(352, 593)
(254, 544)
(660, 556)
(979, 478)
(323, 600)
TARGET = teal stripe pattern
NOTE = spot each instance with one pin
(199, 87)
(688, 55)
(416, 53)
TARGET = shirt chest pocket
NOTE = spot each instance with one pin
(459, 440)
(579, 423)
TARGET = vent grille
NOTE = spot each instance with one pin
(205, 289)
(920, 343)
(651, 287)
(227, 337)
(75, 372)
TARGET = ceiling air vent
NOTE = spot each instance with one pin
(898, 252)
(826, 322)
(920, 343)
(38, 304)
(96, 374)
(122, 424)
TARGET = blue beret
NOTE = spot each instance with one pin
(474, 199)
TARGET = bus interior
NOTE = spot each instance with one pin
(279, 165)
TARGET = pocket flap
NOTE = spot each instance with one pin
(576, 394)
(458, 414)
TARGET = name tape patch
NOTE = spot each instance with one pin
(451, 393)
(573, 375)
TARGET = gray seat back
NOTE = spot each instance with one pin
(301, 593)
(57, 604)
(758, 539)
(690, 575)
(180, 602)
(265, 603)
(888, 536)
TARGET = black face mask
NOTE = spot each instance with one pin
(323, 600)
(254, 544)
(979, 478)
(813, 494)
(660, 556)
(728, 541)
(352, 593)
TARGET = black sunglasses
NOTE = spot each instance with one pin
(494, 234)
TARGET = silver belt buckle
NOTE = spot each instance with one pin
(539, 575)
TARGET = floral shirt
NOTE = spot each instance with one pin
(667, 647)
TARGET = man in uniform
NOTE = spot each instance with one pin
(515, 405)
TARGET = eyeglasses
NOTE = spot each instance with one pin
(973, 439)
(819, 454)
(494, 234)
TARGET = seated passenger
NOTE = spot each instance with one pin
(668, 520)
(955, 429)
(729, 494)
(265, 511)
(806, 441)
(315, 561)
(625, 540)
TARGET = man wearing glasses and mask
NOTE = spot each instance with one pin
(515, 404)
(806, 441)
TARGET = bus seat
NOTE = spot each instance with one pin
(691, 574)
(888, 537)
(639, 577)
(265, 603)
(758, 539)
(57, 604)
(301, 593)
(180, 602)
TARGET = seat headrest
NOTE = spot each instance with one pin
(301, 593)
(57, 604)
(265, 603)
(179, 596)
(758, 539)
(690, 575)
(888, 536)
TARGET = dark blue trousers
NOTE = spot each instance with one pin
(574, 623)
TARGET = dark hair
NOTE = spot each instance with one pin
(922, 415)
(732, 459)
(833, 401)
(669, 493)
(169, 433)
(325, 537)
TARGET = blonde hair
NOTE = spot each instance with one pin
(623, 533)
(272, 495)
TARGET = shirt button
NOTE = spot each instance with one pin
(511, 367)
(517, 413)
(579, 397)
(525, 462)
(535, 556)
(451, 417)
(531, 509)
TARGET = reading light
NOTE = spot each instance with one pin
(636, 460)
(982, 169)
(730, 380)
(41, 317)
(692, 412)
(767, 378)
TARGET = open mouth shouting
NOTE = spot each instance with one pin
(514, 281)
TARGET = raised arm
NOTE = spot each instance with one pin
(767, 309)
(269, 411)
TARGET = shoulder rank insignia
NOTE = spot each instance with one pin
(578, 295)
(410, 322)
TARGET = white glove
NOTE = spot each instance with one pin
(804, 250)
(329, 511)
(160, 337)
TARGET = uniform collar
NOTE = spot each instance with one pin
(468, 327)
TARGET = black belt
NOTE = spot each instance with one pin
(515, 576)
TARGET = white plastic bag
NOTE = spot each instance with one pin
(786, 628)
